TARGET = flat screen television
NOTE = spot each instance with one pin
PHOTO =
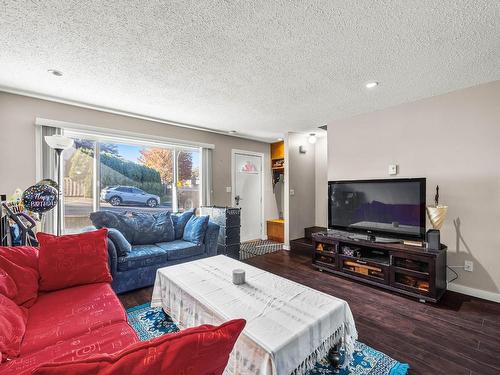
(392, 208)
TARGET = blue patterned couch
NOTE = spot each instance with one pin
(137, 268)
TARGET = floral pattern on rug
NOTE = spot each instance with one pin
(151, 322)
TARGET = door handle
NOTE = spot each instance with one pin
(237, 199)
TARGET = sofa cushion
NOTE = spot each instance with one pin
(123, 247)
(200, 350)
(180, 221)
(8, 287)
(195, 229)
(74, 259)
(137, 227)
(150, 229)
(169, 233)
(180, 249)
(21, 265)
(142, 256)
(12, 328)
(121, 221)
(109, 339)
(66, 313)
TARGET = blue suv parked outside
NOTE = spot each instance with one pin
(117, 195)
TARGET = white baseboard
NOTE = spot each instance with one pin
(490, 296)
(286, 247)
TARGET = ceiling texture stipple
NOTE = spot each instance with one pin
(260, 67)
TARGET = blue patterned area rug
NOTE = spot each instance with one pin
(153, 322)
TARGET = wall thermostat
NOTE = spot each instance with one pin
(393, 169)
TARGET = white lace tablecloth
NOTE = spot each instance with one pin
(289, 326)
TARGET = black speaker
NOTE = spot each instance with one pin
(433, 239)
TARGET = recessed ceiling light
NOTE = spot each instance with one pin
(232, 131)
(371, 85)
(55, 72)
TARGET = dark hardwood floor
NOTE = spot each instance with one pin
(459, 335)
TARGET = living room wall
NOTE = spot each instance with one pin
(301, 175)
(321, 178)
(454, 141)
(17, 146)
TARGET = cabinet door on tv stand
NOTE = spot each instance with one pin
(325, 254)
(413, 273)
(372, 271)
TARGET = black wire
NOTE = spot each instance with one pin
(455, 272)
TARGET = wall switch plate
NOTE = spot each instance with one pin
(393, 169)
(292, 192)
(469, 266)
(228, 189)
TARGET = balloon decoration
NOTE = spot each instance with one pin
(48, 181)
(40, 198)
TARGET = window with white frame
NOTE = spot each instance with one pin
(108, 173)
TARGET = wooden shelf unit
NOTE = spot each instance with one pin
(278, 150)
(410, 270)
(276, 230)
(278, 157)
(276, 227)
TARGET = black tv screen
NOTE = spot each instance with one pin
(392, 207)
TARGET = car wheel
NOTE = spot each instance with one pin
(152, 202)
(115, 201)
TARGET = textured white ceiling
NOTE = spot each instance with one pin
(260, 67)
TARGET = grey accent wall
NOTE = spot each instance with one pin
(17, 138)
(302, 181)
(454, 141)
(321, 177)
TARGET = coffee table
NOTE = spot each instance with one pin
(289, 326)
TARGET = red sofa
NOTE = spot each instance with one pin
(71, 324)
(84, 327)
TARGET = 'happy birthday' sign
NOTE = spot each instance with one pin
(40, 198)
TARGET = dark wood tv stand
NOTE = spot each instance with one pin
(411, 270)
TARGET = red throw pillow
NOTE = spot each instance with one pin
(74, 259)
(12, 328)
(202, 350)
(20, 263)
(8, 287)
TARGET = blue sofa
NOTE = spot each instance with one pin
(137, 267)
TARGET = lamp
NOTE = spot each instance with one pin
(59, 143)
(312, 138)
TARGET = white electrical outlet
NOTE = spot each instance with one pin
(228, 189)
(469, 266)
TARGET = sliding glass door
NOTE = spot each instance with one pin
(79, 184)
(188, 189)
(104, 174)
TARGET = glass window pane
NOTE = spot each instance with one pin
(139, 177)
(78, 184)
(188, 179)
(131, 178)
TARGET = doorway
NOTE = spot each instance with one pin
(248, 191)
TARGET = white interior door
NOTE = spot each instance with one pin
(247, 192)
